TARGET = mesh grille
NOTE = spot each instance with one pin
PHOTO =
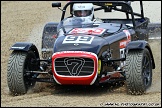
(74, 66)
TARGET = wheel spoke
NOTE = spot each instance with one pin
(145, 63)
(146, 76)
(146, 70)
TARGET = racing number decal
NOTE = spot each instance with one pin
(122, 55)
(122, 45)
(78, 39)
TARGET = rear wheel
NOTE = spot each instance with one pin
(47, 45)
(138, 71)
(48, 39)
(18, 79)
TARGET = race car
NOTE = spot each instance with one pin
(78, 51)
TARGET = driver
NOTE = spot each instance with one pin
(84, 10)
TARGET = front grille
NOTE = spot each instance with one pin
(74, 66)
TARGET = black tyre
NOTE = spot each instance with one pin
(18, 79)
(138, 71)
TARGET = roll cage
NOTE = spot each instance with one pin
(107, 6)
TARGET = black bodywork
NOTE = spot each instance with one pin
(121, 37)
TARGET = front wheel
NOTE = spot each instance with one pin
(138, 71)
(18, 78)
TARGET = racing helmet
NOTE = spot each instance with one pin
(85, 10)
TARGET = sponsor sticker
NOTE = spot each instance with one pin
(123, 43)
(95, 31)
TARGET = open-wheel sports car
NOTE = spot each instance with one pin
(79, 51)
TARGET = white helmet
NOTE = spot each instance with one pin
(85, 10)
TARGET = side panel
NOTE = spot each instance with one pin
(118, 43)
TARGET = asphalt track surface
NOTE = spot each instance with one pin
(24, 21)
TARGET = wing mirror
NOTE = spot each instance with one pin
(58, 4)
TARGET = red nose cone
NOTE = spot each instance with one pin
(75, 67)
